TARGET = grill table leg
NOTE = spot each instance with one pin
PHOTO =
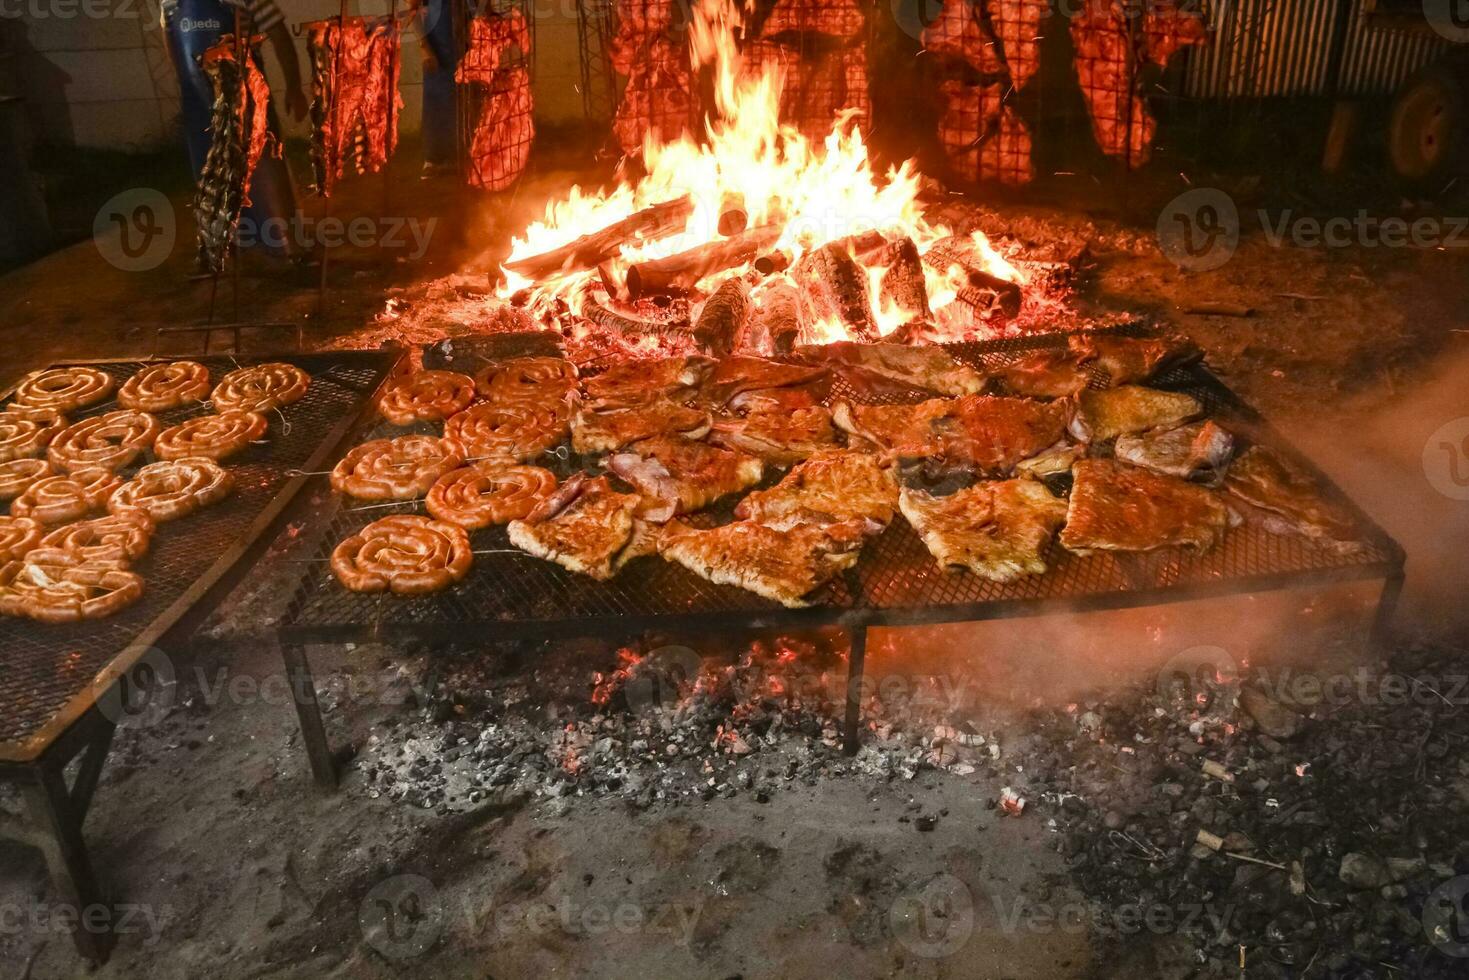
(1387, 606)
(57, 815)
(308, 712)
(857, 657)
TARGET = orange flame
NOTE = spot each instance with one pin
(815, 193)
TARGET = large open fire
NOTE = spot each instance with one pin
(766, 202)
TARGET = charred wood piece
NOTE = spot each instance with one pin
(835, 286)
(680, 273)
(721, 325)
(733, 217)
(590, 251)
(902, 284)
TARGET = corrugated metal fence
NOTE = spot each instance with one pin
(1266, 48)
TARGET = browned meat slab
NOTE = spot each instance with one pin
(629, 383)
(607, 431)
(1132, 360)
(1197, 452)
(677, 476)
(1118, 507)
(1103, 415)
(992, 435)
(978, 433)
(832, 487)
(1287, 499)
(1044, 374)
(997, 530)
(782, 565)
(582, 526)
(777, 436)
(741, 373)
(896, 431)
(930, 367)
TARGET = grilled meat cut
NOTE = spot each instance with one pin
(993, 435)
(777, 399)
(629, 383)
(1103, 415)
(832, 487)
(978, 433)
(1287, 499)
(607, 431)
(782, 565)
(583, 526)
(740, 373)
(677, 476)
(998, 530)
(931, 367)
(896, 431)
(1053, 462)
(1119, 507)
(1044, 374)
(1199, 451)
(1133, 360)
(778, 437)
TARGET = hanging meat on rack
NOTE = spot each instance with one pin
(494, 66)
(504, 132)
(658, 100)
(239, 136)
(983, 136)
(355, 67)
(832, 18)
(1112, 49)
(828, 81)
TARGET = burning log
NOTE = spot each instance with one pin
(679, 273)
(733, 217)
(860, 245)
(629, 325)
(781, 319)
(956, 250)
(836, 287)
(592, 250)
(720, 327)
(772, 262)
(902, 283)
(973, 307)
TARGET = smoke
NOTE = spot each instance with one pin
(1403, 461)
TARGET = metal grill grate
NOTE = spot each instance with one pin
(896, 580)
(47, 667)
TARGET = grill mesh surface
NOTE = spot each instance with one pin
(897, 577)
(46, 666)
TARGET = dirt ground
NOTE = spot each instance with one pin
(232, 865)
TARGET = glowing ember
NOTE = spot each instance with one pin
(794, 196)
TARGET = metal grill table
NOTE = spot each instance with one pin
(512, 595)
(58, 680)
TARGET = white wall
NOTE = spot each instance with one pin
(97, 75)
